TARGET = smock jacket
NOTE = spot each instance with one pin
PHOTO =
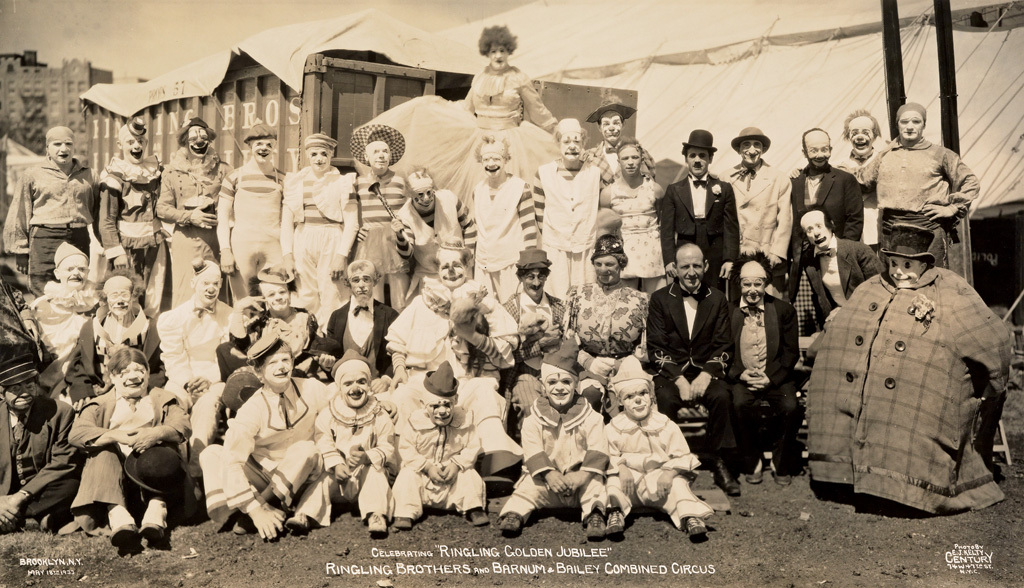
(894, 395)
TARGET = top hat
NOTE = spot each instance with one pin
(624, 111)
(910, 241)
(367, 134)
(137, 126)
(533, 258)
(158, 469)
(441, 382)
(700, 139)
(259, 131)
(751, 133)
(195, 121)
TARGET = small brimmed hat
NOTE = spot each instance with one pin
(910, 241)
(264, 344)
(273, 274)
(17, 364)
(700, 139)
(260, 130)
(195, 121)
(441, 382)
(367, 134)
(159, 469)
(624, 111)
(239, 387)
(751, 133)
(533, 258)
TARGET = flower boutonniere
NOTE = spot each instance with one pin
(716, 190)
(922, 309)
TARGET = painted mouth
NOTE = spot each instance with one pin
(491, 168)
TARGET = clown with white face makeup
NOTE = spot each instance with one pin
(505, 216)
(649, 458)
(249, 212)
(610, 119)
(920, 355)
(862, 131)
(64, 307)
(319, 221)
(923, 184)
(432, 215)
(567, 195)
(356, 438)
(188, 201)
(566, 451)
(55, 203)
(128, 228)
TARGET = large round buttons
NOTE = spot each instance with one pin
(858, 340)
(873, 306)
(901, 346)
(849, 377)
(890, 383)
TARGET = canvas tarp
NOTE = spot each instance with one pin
(283, 51)
(785, 67)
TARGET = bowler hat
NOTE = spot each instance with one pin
(624, 111)
(533, 258)
(700, 139)
(910, 241)
(441, 382)
(367, 134)
(158, 469)
(753, 134)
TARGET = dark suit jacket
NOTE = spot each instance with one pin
(668, 342)
(782, 337)
(84, 370)
(383, 316)
(840, 195)
(678, 223)
(47, 426)
(857, 262)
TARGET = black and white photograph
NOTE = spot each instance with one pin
(565, 293)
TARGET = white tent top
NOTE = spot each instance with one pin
(785, 66)
(283, 51)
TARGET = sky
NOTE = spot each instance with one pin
(146, 38)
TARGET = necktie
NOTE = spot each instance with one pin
(201, 312)
(285, 404)
(19, 433)
(358, 309)
(748, 174)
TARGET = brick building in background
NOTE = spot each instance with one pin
(35, 97)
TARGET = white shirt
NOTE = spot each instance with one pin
(543, 309)
(690, 307)
(830, 278)
(699, 196)
(188, 343)
(359, 326)
(127, 418)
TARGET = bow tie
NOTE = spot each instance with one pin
(748, 173)
(201, 312)
(358, 309)
(700, 183)
(609, 149)
(698, 295)
(752, 310)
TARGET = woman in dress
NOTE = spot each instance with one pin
(634, 197)
(442, 135)
(607, 317)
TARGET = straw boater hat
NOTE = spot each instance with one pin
(911, 242)
(367, 134)
(194, 122)
(751, 133)
(611, 105)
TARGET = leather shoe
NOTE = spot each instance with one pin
(723, 478)
(754, 478)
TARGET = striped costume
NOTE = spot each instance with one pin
(250, 199)
(506, 224)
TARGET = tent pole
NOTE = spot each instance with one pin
(950, 121)
(892, 53)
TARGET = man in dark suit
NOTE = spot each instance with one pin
(828, 188)
(834, 267)
(767, 344)
(688, 337)
(39, 472)
(702, 210)
(359, 325)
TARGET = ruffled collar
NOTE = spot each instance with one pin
(438, 297)
(577, 413)
(138, 326)
(206, 166)
(136, 173)
(77, 301)
(654, 423)
(491, 83)
(354, 417)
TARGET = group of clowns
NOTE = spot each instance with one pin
(484, 296)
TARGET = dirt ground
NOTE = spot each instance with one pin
(773, 536)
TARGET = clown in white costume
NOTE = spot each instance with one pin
(318, 228)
